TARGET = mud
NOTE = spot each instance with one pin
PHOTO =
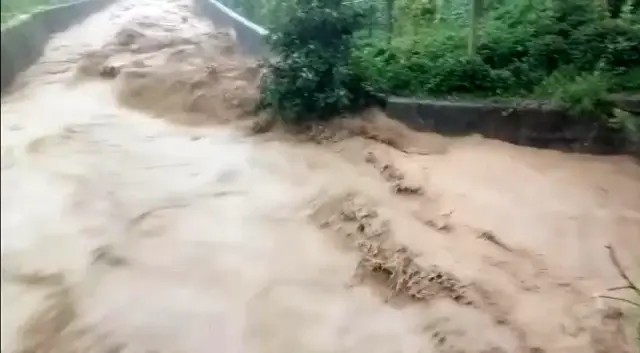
(141, 212)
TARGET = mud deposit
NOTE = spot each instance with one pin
(139, 214)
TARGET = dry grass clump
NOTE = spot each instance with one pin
(393, 264)
(404, 276)
(394, 176)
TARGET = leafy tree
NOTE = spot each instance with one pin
(311, 77)
(475, 14)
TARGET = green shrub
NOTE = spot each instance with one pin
(520, 46)
(582, 94)
(572, 52)
(588, 95)
(610, 44)
(312, 77)
(629, 82)
(407, 65)
(414, 14)
(627, 125)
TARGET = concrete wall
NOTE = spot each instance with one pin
(24, 40)
(532, 124)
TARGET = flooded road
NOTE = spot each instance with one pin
(138, 215)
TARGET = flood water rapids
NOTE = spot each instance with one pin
(139, 216)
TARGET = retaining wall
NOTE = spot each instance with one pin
(24, 39)
(535, 124)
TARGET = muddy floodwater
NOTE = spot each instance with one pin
(142, 213)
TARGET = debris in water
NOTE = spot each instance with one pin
(380, 254)
(109, 71)
(406, 189)
(492, 238)
(106, 254)
(391, 173)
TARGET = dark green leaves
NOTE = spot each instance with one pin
(312, 78)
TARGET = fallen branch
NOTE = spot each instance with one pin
(624, 276)
(620, 299)
(621, 272)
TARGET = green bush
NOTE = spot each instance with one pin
(580, 93)
(312, 77)
(520, 46)
(570, 52)
(627, 126)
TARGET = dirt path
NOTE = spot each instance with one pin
(138, 215)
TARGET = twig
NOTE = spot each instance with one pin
(616, 264)
(619, 288)
(620, 299)
(630, 284)
(492, 238)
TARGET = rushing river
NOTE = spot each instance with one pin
(139, 216)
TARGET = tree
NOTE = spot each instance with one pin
(475, 14)
(311, 77)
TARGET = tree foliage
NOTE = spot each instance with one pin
(519, 47)
(312, 77)
(574, 53)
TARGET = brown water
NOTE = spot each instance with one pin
(139, 216)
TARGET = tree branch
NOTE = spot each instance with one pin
(616, 264)
(620, 299)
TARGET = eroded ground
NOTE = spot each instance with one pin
(140, 213)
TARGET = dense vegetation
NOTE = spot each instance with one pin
(575, 53)
(521, 47)
(313, 77)
(530, 48)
